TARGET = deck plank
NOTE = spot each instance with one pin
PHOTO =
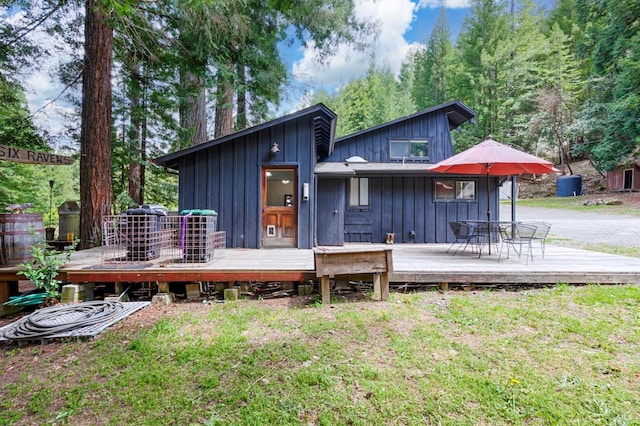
(412, 263)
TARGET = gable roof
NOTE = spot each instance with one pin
(457, 114)
(323, 122)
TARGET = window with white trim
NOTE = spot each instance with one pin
(409, 149)
(452, 189)
(359, 192)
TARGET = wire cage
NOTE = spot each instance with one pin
(170, 240)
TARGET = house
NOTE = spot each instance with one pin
(288, 183)
(625, 177)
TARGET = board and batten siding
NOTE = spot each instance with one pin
(404, 204)
(227, 178)
(373, 146)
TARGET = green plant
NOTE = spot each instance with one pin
(42, 271)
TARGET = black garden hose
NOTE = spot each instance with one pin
(58, 319)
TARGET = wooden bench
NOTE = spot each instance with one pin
(332, 262)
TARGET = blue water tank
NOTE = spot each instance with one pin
(569, 186)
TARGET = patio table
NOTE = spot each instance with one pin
(483, 228)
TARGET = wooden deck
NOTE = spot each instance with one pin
(412, 263)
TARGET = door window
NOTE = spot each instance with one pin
(280, 188)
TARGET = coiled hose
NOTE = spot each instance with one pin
(60, 319)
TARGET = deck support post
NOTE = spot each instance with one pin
(384, 285)
(377, 291)
(231, 294)
(192, 290)
(381, 285)
(324, 290)
(163, 287)
(444, 286)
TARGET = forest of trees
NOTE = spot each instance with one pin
(153, 77)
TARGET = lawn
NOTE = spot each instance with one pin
(560, 355)
(630, 203)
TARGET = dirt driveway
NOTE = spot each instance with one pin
(582, 227)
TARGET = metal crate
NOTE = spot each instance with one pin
(173, 240)
(132, 238)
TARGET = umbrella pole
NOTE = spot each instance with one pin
(514, 191)
(488, 212)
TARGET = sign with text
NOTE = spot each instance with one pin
(25, 155)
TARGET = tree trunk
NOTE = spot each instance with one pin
(224, 106)
(95, 136)
(241, 116)
(135, 140)
(193, 115)
(143, 149)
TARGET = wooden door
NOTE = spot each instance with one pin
(279, 207)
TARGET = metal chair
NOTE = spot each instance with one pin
(464, 234)
(542, 230)
(517, 236)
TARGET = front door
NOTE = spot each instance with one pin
(279, 207)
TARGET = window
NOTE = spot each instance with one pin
(280, 187)
(451, 189)
(409, 148)
(359, 192)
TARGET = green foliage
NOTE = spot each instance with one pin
(30, 183)
(610, 42)
(367, 102)
(42, 271)
(16, 126)
(432, 66)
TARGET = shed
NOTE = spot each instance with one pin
(625, 177)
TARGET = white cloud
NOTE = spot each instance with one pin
(392, 19)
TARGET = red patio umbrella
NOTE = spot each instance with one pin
(491, 158)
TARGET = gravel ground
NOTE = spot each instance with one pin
(583, 227)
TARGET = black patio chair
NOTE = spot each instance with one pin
(518, 236)
(464, 234)
(542, 231)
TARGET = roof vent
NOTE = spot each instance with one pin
(355, 159)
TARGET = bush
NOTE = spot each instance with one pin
(42, 271)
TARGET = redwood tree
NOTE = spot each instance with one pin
(95, 137)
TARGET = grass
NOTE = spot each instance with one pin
(577, 204)
(602, 248)
(562, 355)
